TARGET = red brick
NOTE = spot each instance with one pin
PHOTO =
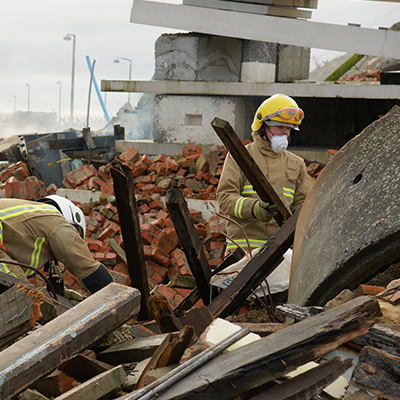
(157, 255)
(207, 176)
(162, 271)
(216, 226)
(159, 157)
(121, 278)
(143, 179)
(80, 175)
(203, 196)
(217, 246)
(214, 181)
(156, 204)
(139, 168)
(214, 262)
(99, 256)
(162, 214)
(171, 164)
(121, 268)
(66, 184)
(182, 172)
(167, 292)
(330, 153)
(187, 191)
(144, 208)
(185, 271)
(51, 189)
(161, 168)
(129, 156)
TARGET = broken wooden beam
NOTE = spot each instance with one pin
(250, 168)
(163, 314)
(188, 302)
(37, 354)
(264, 360)
(190, 240)
(378, 373)
(130, 228)
(308, 384)
(100, 387)
(256, 270)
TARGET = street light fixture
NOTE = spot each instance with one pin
(59, 99)
(70, 36)
(29, 94)
(130, 71)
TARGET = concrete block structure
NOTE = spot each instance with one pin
(184, 119)
(196, 57)
(293, 63)
(258, 61)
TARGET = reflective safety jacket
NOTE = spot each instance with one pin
(33, 233)
(287, 174)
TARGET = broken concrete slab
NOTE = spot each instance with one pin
(349, 226)
(43, 350)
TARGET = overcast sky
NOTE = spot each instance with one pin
(33, 51)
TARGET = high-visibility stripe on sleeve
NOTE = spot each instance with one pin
(4, 268)
(14, 211)
(288, 192)
(238, 207)
(247, 189)
(243, 243)
(35, 255)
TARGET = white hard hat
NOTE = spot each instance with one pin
(69, 210)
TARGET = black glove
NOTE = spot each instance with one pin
(263, 211)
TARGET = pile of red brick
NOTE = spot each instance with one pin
(16, 182)
(196, 173)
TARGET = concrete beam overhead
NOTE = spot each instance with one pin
(351, 39)
(324, 90)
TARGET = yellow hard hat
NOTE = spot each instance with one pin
(281, 109)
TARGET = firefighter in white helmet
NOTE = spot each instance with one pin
(34, 233)
(286, 172)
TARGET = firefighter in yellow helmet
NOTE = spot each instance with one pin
(286, 172)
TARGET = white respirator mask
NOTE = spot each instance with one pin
(279, 143)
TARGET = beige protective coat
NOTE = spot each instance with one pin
(34, 233)
(287, 174)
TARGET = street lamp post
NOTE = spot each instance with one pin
(59, 99)
(29, 94)
(130, 71)
(70, 36)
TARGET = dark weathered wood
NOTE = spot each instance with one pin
(263, 329)
(298, 313)
(199, 318)
(163, 314)
(309, 383)
(17, 313)
(37, 354)
(190, 240)
(169, 352)
(382, 337)
(79, 143)
(377, 372)
(256, 270)
(130, 228)
(82, 368)
(131, 350)
(100, 387)
(188, 302)
(264, 360)
(249, 167)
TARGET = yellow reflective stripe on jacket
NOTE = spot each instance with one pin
(243, 243)
(1, 233)
(238, 207)
(4, 268)
(35, 255)
(288, 192)
(14, 211)
(247, 189)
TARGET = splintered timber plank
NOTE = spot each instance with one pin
(256, 270)
(166, 319)
(130, 228)
(40, 352)
(99, 387)
(190, 240)
(249, 167)
(308, 384)
(377, 372)
(264, 360)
